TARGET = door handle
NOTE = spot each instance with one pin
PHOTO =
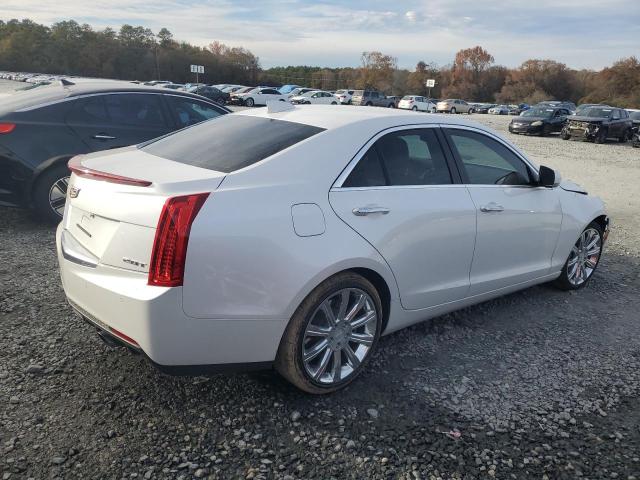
(491, 207)
(103, 136)
(362, 211)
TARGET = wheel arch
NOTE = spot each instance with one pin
(45, 166)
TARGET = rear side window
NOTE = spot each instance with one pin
(406, 157)
(187, 111)
(88, 111)
(230, 142)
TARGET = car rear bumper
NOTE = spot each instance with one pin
(151, 320)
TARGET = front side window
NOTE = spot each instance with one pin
(487, 161)
(136, 110)
(406, 157)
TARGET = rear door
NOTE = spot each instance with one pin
(399, 194)
(118, 119)
(517, 222)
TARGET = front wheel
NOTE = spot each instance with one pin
(453, 110)
(249, 102)
(331, 335)
(601, 137)
(564, 134)
(433, 110)
(583, 259)
(414, 108)
(50, 193)
(334, 103)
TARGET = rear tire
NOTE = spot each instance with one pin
(49, 193)
(368, 104)
(322, 373)
(571, 279)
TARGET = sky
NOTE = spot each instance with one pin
(581, 33)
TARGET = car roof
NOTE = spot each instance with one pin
(331, 117)
(56, 92)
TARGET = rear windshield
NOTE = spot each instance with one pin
(229, 142)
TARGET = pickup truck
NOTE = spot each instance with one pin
(371, 98)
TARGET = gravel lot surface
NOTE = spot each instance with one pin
(538, 384)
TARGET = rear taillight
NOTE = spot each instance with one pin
(7, 127)
(76, 167)
(172, 237)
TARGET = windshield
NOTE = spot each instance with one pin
(358, 93)
(408, 97)
(597, 112)
(538, 112)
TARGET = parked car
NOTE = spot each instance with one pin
(231, 88)
(371, 98)
(634, 115)
(484, 107)
(172, 86)
(417, 103)
(540, 121)
(583, 107)
(518, 109)
(41, 129)
(286, 89)
(599, 124)
(499, 110)
(635, 141)
(298, 91)
(157, 83)
(260, 96)
(235, 97)
(316, 97)
(212, 93)
(454, 105)
(556, 103)
(344, 96)
(195, 276)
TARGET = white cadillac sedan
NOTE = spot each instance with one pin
(297, 238)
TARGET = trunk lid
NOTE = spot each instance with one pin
(116, 222)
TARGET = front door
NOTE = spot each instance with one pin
(518, 222)
(118, 119)
(401, 198)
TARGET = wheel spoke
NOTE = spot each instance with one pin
(366, 318)
(572, 261)
(356, 308)
(316, 350)
(315, 331)
(590, 263)
(57, 202)
(361, 338)
(336, 371)
(351, 357)
(323, 364)
(328, 313)
(344, 303)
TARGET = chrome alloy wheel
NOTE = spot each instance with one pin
(584, 257)
(339, 335)
(58, 195)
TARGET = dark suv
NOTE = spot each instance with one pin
(41, 129)
(598, 124)
(371, 98)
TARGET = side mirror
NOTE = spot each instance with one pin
(547, 177)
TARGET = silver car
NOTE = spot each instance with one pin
(454, 105)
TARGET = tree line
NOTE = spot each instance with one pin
(137, 53)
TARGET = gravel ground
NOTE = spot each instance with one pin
(538, 384)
